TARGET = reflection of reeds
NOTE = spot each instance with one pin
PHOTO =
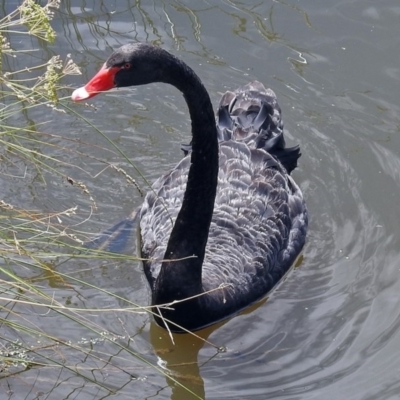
(34, 244)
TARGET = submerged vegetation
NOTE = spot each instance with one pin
(35, 243)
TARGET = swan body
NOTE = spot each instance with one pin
(221, 228)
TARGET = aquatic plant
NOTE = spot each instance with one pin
(34, 243)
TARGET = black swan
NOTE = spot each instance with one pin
(224, 226)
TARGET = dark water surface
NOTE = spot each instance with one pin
(332, 329)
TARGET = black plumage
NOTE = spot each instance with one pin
(222, 228)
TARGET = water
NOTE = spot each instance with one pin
(331, 329)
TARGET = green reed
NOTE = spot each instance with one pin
(33, 243)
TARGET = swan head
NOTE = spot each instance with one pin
(131, 65)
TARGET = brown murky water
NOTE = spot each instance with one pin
(331, 329)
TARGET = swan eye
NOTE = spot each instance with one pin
(126, 66)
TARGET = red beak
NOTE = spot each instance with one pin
(102, 81)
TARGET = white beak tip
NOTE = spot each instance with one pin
(80, 94)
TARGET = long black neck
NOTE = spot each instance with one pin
(181, 271)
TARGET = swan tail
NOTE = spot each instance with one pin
(287, 157)
(251, 114)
